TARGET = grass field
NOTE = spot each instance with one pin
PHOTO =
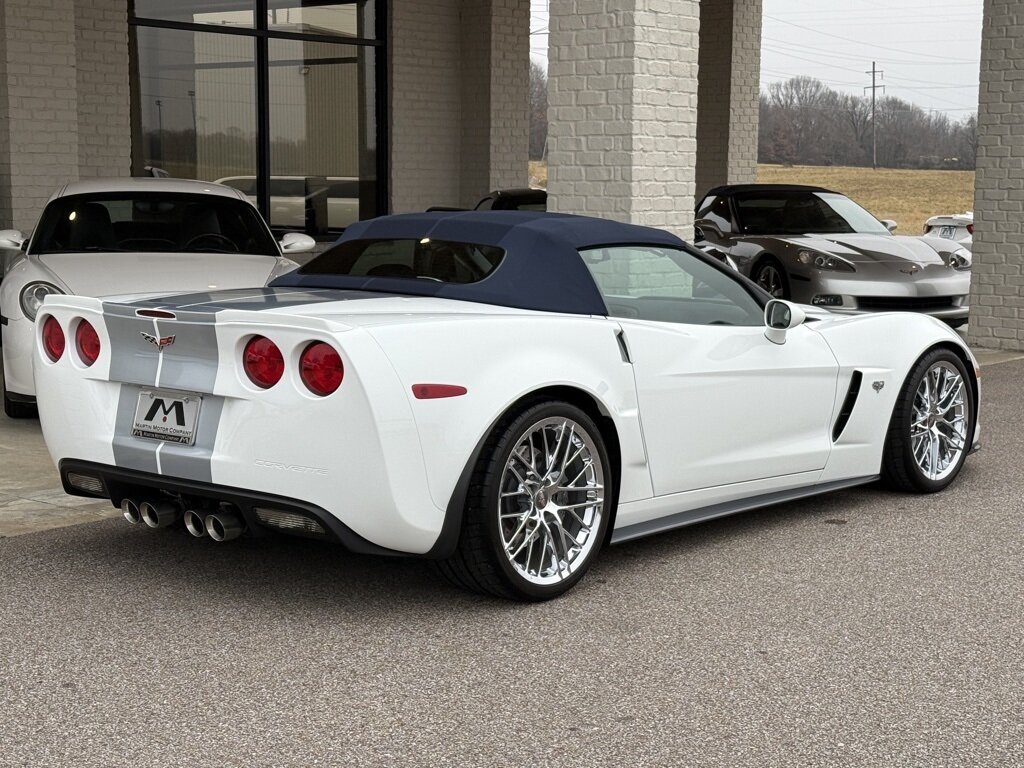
(906, 197)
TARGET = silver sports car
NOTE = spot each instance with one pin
(813, 246)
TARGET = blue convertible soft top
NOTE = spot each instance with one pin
(542, 269)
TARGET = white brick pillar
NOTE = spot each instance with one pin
(997, 284)
(460, 100)
(622, 94)
(104, 94)
(728, 92)
(38, 106)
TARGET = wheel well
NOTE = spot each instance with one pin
(595, 410)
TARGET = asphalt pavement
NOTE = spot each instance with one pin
(862, 628)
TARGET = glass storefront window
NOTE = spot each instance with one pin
(322, 141)
(194, 104)
(273, 108)
(317, 17)
(239, 13)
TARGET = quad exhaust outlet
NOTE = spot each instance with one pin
(223, 524)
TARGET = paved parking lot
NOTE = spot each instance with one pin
(862, 628)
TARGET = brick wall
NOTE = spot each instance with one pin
(623, 110)
(42, 105)
(728, 92)
(509, 94)
(104, 98)
(997, 285)
(426, 104)
(459, 101)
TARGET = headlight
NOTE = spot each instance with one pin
(32, 296)
(825, 261)
(960, 259)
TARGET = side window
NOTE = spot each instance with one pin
(669, 285)
(716, 209)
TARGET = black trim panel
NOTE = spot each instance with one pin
(120, 482)
(848, 405)
(650, 527)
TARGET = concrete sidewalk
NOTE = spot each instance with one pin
(31, 498)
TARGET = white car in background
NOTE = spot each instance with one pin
(957, 226)
(135, 237)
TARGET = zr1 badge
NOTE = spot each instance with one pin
(169, 417)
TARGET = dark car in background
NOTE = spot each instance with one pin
(815, 246)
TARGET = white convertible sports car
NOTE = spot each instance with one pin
(502, 392)
(129, 236)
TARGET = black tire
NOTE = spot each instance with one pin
(900, 471)
(14, 409)
(760, 274)
(480, 563)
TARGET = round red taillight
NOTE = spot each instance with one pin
(321, 368)
(263, 362)
(88, 342)
(53, 339)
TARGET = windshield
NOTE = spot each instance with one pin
(803, 213)
(152, 222)
(442, 261)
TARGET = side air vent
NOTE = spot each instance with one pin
(848, 403)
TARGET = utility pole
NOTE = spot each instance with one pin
(875, 74)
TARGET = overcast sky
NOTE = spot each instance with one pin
(929, 51)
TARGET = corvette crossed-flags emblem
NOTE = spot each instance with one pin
(158, 341)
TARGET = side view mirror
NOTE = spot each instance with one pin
(707, 225)
(890, 224)
(296, 242)
(781, 317)
(11, 239)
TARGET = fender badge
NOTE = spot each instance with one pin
(914, 269)
(159, 343)
(878, 386)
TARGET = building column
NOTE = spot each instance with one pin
(460, 100)
(622, 118)
(64, 100)
(728, 92)
(38, 106)
(997, 281)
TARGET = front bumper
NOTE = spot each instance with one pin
(120, 483)
(944, 295)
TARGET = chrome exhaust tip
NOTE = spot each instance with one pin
(195, 523)
(159, 514)
(130, 511)
(225, 524)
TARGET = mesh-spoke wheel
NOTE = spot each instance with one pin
(932, 425)
(539, 506)
(938, 432)
(551, 500)
(770, 276)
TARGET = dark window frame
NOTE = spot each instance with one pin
(262, 34)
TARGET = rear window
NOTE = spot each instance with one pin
(442, 261)
(152, 222)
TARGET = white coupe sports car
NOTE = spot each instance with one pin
(129, 236)
(502, 392)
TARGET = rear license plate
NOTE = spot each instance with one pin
(947, 232)
(169, 417)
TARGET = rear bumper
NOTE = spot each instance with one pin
(124, 483)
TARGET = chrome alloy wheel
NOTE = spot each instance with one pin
(938, 427)
(551, 501)
(768, 277)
